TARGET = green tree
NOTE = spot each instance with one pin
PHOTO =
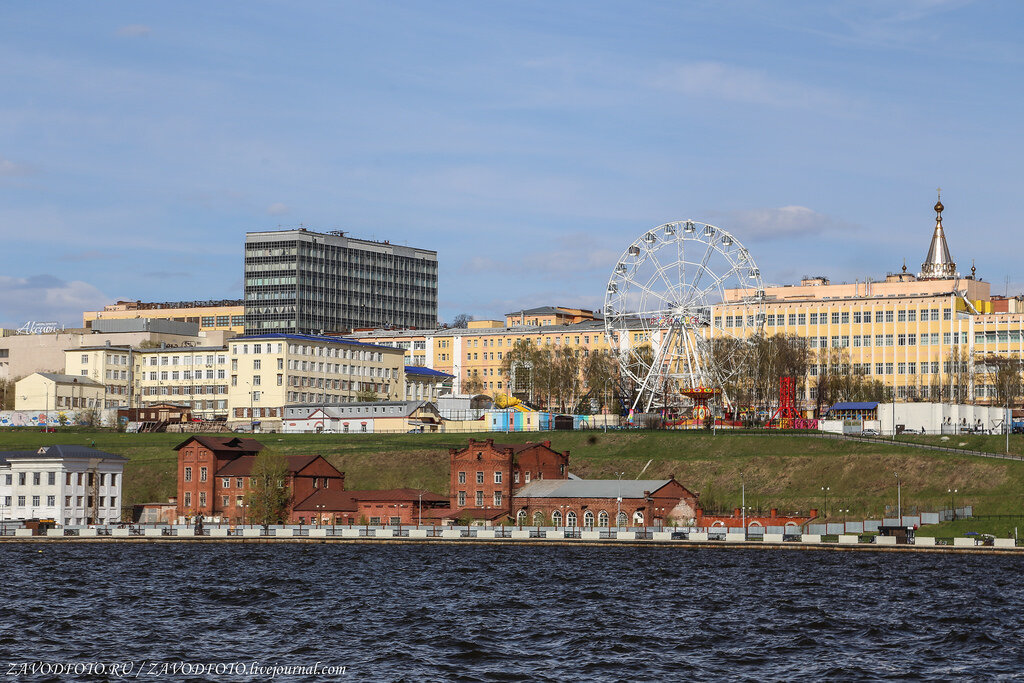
(367, 396)
(1002, 373)
(269, 494)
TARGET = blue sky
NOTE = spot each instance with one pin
(527, 142)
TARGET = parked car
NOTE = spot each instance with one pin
(869, 432)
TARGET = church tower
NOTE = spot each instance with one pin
(938, 265)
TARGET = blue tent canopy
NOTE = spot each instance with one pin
(855, 405)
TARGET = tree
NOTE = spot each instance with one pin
(367, 396)
(958, 375)
(601, 376)
(269, 494)
(1002, 373)
(461, 320)
(7, 393)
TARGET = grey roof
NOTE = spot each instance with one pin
(69, 379)
(63, 451)
(590, 488)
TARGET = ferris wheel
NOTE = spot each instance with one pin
(677, 291)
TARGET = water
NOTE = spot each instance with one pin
(477, 613)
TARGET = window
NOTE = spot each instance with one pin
(36, 476)
(497, 477)
(462, 499)
(912, 317)
(188, 474)
(835, 317)
(51, 478)
(225, 501)
(588, 518)
(21, 501)
(846, 317)
(188, 499)
(202, 474)
(52, 500)
(556, 518)
(226, 483)
(901, 316)
(479, 499)
(497, 499)
(113, 479)
(202, 499)
(479, 477)
(527, 478)
(888, 316)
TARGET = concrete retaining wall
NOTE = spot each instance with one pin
(885, 540)
(849, 539)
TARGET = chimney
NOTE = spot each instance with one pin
(774, 513)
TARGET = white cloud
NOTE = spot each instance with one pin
(45, 297)
(9, 168)
(134, 30)
(769, 223)
(715, 80)
(277, 209)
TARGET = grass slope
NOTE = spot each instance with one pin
(783, 471)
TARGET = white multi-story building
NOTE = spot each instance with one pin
(195, 377)
(72, 485)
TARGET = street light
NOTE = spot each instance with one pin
(743, 504)
(420, 519)
(825, 490)
(899, 497)
(952, 501)
(607, 407)
(618, 502)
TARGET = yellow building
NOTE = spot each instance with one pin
(46, 392)
(109, 366)
(226, 315)
(192, 376)
(268, 372)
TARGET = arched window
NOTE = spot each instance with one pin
(602, 518)
(638, 518)
(538, 518)
(570, 518)
(521, 518)
(588, 518)
(623, 520)
(556, 518)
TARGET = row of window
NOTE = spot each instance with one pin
(479, 500)
(184, 375)
(571, 518)
(165, 359)
(51, 501)
(844, 317)
(82, 478)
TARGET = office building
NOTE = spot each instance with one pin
(304, 282)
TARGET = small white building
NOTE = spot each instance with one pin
(72, 485)
(362, 418)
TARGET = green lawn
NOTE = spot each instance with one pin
(778, 469)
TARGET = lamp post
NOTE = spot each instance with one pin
(899, 497)
(743, 504)
(825, 490)
(952, 501)
(618, 502)
(607, 407)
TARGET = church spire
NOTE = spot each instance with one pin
(938, 265)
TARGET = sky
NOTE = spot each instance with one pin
(527, 142)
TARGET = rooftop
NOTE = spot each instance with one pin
(590, 488)
(60, 451)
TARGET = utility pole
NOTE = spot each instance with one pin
(899, 497)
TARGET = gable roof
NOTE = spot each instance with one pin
(590, 488)
(242, 465)
(69, 379)
(328, 500)
(228, 444)
(63, 451)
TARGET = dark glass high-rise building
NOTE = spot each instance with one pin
(308, 282)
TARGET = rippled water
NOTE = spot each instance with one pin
(433, 612)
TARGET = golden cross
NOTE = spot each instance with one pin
(939, 190)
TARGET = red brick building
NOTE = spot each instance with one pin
(484, 475)
(214, 476)
(389, 507)
(605, 502)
